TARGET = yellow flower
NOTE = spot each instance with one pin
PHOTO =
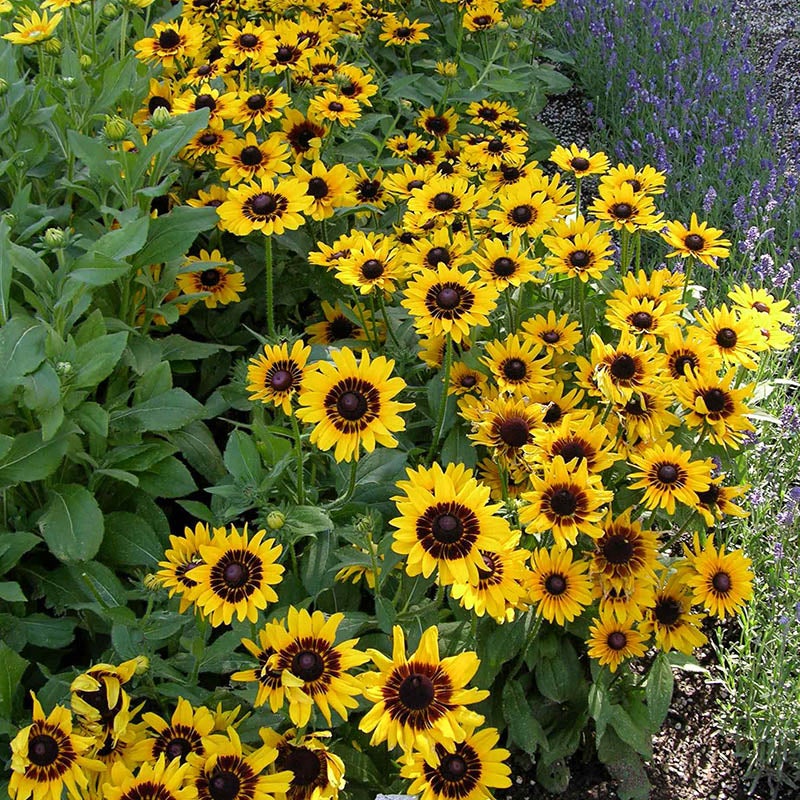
(697, 241)
(33, 29)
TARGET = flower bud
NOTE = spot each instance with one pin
(161, 118)
(54, 238)
(85, 61)
(53, 46)
(517, 21)
(110, 11)
(3, 86)
(9, 218)
(63, 368)
(115, 128)
(276, 520)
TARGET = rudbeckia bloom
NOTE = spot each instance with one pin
(304, 135)
(275, 375)
(420, 700)
(257, 108)
(313, 669)
(642, 317)
(164, 780)
(371, 266)
(715, 407)
(559, 334)
(185, 734)
(559, 586)
(446, 300)
(402, 32)
(318, 774)
(575, 438)
(667, 474)
(623, 208)
(183, 556)
(335, 107)
(482, 16)
(34, 28)
(464, 770)
(625, 552)
(670, 618)
(565, 502)
(228, 774)
(579, 161)
(245, 43)
(443, 528)
(438, 125)
(612, 642)
(763, 303)
(439, 247)
(237, 576)
(687, 352)
(521, 211)
(506, 425)
(722, 582)
(220, 282)
(732, 336)
(626, 604)
(645, 180)
(266, 206)
(518, 364)
(443, 198)
(351, 404)
(172, 40)
(716, 501)
(339, 324)
(250, 160)
(584, 255)
(464, 379)
(501, 263)
(330, 188)
(46, 756)
(697, 241)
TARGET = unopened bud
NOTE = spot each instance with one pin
(54, 238)
(115, 129)
(517, 21)
(63, 368)
(276, 520)
(53, 46)
(161, 118)
(10, 218)
(110, 11)
(502, 25)
(85, 61)
(511, 45)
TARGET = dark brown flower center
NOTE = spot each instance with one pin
(317, 188)
(623, 367)
(281, 380)
(448, 298)
(256, 102)
(283, 54)
(403, 33)
(726, 337)
(264, 204)
(580, 164)
(514, 369)
(224, 786)
(642, 320)
(715, 400)
(622, 210)
(372, 269)
(709, 497)
(563, 503)
(579, 258)
(210, 277)
(438, 255)
(667, 611)
(504, 267)
(304, 763)
(555, 584)
(417, 692)
(521, 215)
(617, 549)
(514, 432)
(667, 473)
(762, 307)
(335, 106)
(721, 582)
(169, 39)
(43, 750)
(495, 146)
(205, 101)
(352, 405)
(340, 328)
(235, 574)
(453, 768)
(248, 40)
(308, 665)
(251, 155)
(446, 528)
(444, 201)
(634, 184)
(178, 748)
(510, 174)
(437, 125)
(551, 337)
(569, 450)
(617, 640)
(683, 363)
(694, 242)
(158, 102)
(468, 381)
(415, 184)
(209, 138)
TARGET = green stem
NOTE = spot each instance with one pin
(448, 363)
(509, 308)
(687, 278)
(270, 299)
(301, 492)
(638, 250)
(582, 307)
(385, 315)
(578, 180)
(625, 256)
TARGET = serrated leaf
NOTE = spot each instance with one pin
(72, 523)
(129, 541)
(53, 633)
(12, 668)
(11, 592)
(96, 359)
(31, 459)
(166, 412)
(658, 690)
(524, 729)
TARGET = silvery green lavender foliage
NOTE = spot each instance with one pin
(673, 84)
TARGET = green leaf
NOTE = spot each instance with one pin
(31, 459)
(317, 570)
(154, 381)
(559, 678)
(658, 690)
(42, 389)
(12, 668)
(307, 520)
(6, 270)
(198, 447)
(96, 359)
(625, 767)
(11, 592)
(72, 523)
(50, 632)
(96, 269)
(523, 728)
(166, 412)
(168, 478)
(92, 418)
(94, 153)
(124, 241)
(171, 235)
(179, 347)
(98, 583)
(14, 545)
(22, 343)
(627, 730)
(129, 541)
(242, 458)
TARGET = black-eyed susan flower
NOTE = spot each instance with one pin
(443, 198)
(559, 334)
(465, 379)
(313, 669)
(507, 175)
(561, 194)
(185, 734)
(763, 303)
(182, 556)
(340, 323)
(220, 282)
(271, 688)
(490, 112)
(518, 364)
(732, 336)
(624, 208)
(644, 180)
(231, 772)
(506, 426)
(721, 582)
(179, 39)
(33, 28)
(642, 317)
(566, 502)
(644, 418)
(584, 255)
(715, 406)
(557, 401)
(502, 263)
(667, 474)
(447, 301)
(351, 404)
(208, 142)
(249, 159)
(464, 770)
(401, 32)
(442, 529)
(625, 552)
(274, 376)
(579, 161)
(420, 700)
(372, 265)
(47, 756)
(688, 352)
(158, 96)
(318, 774)
(574, 438)
(245, 43)
(612, 641)
(335, 107)
(353, 82)
(164, 779)
(670, 618)
(439, 247)
(405, 180)
(697, 241)
(285, 50)
(559, 586)
(717, 501)
(436, 124)
(626, 604)
(303, 134)
(256, 108)
(267, 206)
(369, 188)
(330, 188)
(237, 575)
(522, 211)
